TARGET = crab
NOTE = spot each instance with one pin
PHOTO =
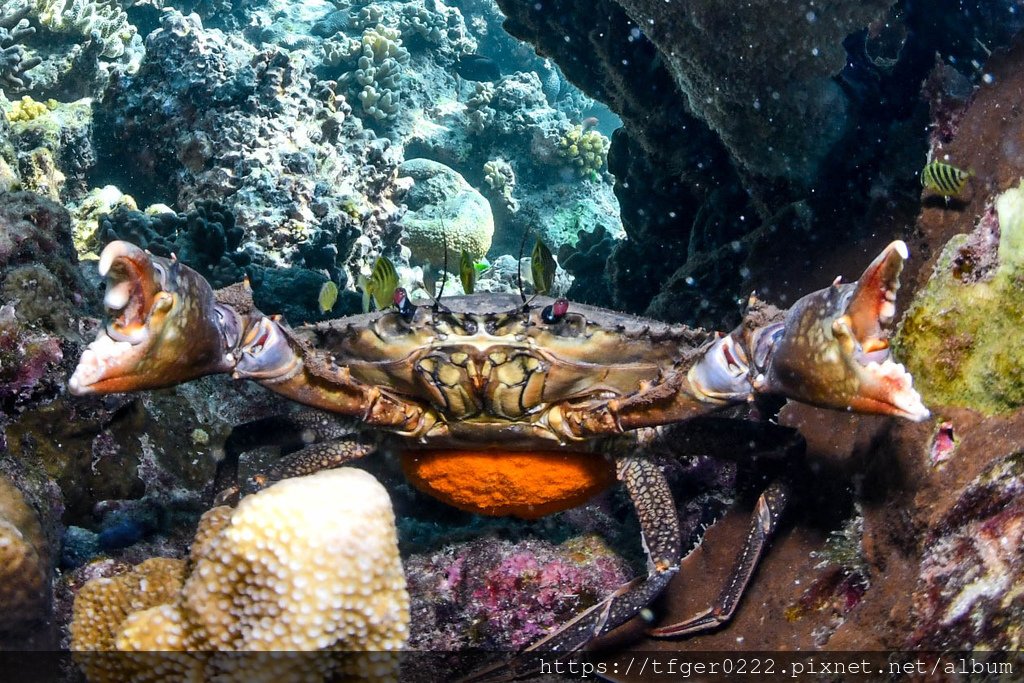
(576, 394)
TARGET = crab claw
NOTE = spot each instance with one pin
(834, 349)
(163, 326)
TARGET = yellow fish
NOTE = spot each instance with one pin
(328, 296)
(947, 180)
(542, 266)
(467, 273)
(381, 285)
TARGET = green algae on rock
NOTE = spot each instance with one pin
(962, 337)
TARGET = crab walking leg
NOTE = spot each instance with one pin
(273, 355)
(659, 524)
(314, 458)
(767, 513)
(290, 433)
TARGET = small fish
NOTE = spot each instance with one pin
(588, 123)
(381, 285)
(328, 296)
(947, 180)
(467, 272)
(542, 267)
(481, 266)
(474, 67)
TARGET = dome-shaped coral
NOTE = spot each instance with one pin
(24, 564)
(310, 563)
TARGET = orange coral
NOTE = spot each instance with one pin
(527, 485)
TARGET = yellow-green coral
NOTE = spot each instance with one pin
(27, 109)
(24, 563)
(585, 150)
(962, 337)
(310, 563)
(85, 217)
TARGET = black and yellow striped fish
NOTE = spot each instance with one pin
(947, 180)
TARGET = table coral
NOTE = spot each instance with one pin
(310, 563)
(24, 563)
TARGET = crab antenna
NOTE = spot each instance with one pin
(444, 269)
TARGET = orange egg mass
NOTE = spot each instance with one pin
(521, 484)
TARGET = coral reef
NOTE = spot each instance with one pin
(495, 594)
(309, 563)
(52, 146)
(24, 563)
(208, 117)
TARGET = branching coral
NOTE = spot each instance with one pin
(500, 177)
(585, 150)
(88, 17)
(478, 107)
(14, 59)
(380, 71)
(439, 26)
(308, 564)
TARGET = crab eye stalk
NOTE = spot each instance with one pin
(406, 308)
(555, 312)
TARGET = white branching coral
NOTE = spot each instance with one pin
(501, 179)
(85, 17)
(379, 72)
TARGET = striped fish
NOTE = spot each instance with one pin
(947, 180)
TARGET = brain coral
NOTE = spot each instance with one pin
(443, 209)
(310, 563)
(24, 564)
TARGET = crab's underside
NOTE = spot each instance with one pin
(480, 388)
